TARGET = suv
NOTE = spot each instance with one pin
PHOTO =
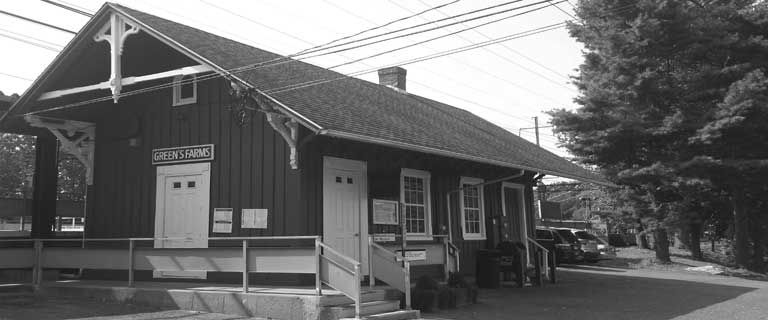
(565, 251)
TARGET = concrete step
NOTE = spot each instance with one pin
(367, 296)
(366, 308)
(395, 315)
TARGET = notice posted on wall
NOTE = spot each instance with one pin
(384, 212)
(222, 220)
(254, 218)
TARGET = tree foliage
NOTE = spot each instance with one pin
(665, 84)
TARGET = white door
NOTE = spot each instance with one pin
(182, 209)
(345, 208)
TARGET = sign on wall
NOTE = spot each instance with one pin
(222, 220)
(384, 212)
(384, 237)
(254, 218)
(202, 152)
(412, 254)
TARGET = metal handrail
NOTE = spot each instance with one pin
(161, 238)
(339, 254)
(356, 272)
(406, 268)
(547, 268)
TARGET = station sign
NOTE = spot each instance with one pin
(202, 152)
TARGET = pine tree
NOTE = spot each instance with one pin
(654, 73)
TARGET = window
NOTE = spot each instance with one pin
(184, 90)
(414, 194)
(472, 215)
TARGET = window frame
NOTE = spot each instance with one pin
(482, 235)
(177, 99)
(426, 176)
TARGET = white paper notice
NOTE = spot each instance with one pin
(254, 218)
(222, 220)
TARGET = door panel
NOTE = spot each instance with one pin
(512, 224)
(345, 208)
(183, 193)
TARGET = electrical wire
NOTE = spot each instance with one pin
(39, 45)
(51, 44)
(305, 84)
(15, 76)
(440, 37)
(36, 22)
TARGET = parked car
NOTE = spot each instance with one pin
(565, 251)
(592, 246)
(588, 247)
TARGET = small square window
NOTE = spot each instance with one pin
(338, 179)
(177, 185)
(190, 184)
(184, 90)
(349, 180)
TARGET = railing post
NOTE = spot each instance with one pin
(553, 269)
(446, 265)
(37, 270)
(407, 279)
(318, 284)
(357, 291)
(245, 266)
(371, 278)
(130, 262)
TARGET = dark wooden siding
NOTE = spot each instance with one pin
(384, 165)
(250, 169)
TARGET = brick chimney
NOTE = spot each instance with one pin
(392, 76)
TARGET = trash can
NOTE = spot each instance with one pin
(487, 271)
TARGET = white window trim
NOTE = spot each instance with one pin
(177, 100)
(427, 235)
(465, 234)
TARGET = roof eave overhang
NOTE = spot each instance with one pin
(457, 155)
(223, 71)
(56, 63)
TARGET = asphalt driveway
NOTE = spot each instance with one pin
(588, 292)
(583, 292)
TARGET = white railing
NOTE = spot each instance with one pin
(389, 267)
(245, 258)
(548, 270)
(339, 272)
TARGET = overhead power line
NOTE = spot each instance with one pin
(503, 45)
(51, 44)
(37, 22)
(15, 76)
(442, 36)
(39, 45)
(68, 7)
(309, 83)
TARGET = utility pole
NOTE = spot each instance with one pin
(536, 125)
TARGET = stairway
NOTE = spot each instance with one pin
(380, 304)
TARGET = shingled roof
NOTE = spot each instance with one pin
(356, 109)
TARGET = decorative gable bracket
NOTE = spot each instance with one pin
(115, 32)
(286, 126)
(77, 138)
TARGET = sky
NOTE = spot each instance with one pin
(507, 83)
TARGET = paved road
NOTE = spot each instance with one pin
(586, 292)
(583, 292)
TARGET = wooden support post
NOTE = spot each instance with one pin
(318, 283)
(130, 262)
(245, 266)
(358, 293)
(371, 278)
(407, 284)
(44, 192)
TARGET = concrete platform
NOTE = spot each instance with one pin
(282, 302)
